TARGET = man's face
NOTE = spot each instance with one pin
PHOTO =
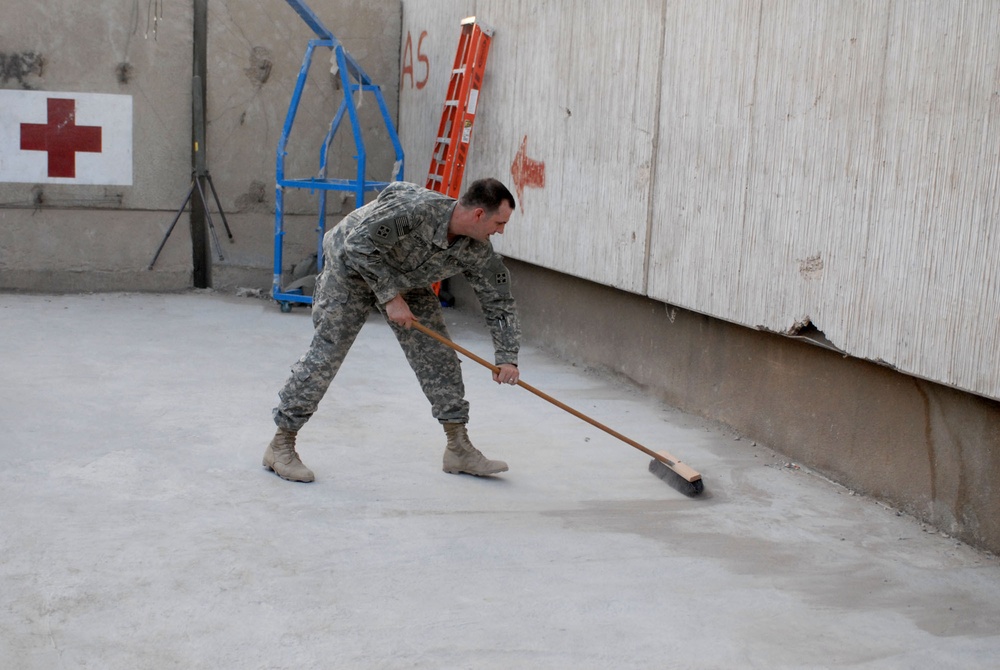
(489, 224)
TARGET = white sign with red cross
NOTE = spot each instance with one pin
(65, 138)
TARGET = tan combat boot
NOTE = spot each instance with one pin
(460, 456)
(280, 456)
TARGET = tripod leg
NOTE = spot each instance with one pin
(219, 205)
(173, 223)
(208, 218)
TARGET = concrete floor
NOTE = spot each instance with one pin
(140, 531)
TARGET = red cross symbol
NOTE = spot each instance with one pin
(61, 137)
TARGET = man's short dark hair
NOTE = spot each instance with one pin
(487, 193)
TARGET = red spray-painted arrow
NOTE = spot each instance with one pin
(526, 171)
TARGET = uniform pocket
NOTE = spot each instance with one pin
(331, 285)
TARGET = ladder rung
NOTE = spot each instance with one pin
(451, 103)
(434, 177)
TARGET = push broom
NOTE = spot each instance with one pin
(668, 468)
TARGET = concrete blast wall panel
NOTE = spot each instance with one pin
(834, 166)
(255, 53)
(430, 37)
(93, 231)
(807, 167)
(98, 233)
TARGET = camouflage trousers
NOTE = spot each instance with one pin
(342, 302)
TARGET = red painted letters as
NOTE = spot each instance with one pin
(407, 66)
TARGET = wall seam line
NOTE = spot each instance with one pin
(653, 160)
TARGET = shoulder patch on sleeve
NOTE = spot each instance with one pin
(497, 274)
(387, 232)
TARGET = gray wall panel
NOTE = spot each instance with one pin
(429, 40)
(838, 167)
(576, 85)
(785, 164)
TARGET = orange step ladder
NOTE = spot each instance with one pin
(451, 146)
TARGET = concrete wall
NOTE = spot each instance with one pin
(71, 237)
(781, 164)
(255, 53)
(834, 164)
(75, 237)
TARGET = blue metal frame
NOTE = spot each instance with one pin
(353, 79)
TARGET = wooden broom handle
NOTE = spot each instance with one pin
(683, 470)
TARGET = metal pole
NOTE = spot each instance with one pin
(199, 239)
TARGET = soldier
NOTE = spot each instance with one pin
(387, 254)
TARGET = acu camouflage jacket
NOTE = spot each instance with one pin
(399, 241)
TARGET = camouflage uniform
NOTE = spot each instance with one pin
(398, 243)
